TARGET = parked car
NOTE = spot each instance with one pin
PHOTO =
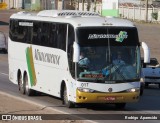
(3, 44)
(151, 72)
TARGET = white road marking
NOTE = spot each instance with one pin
(40, 105)
(4, 74)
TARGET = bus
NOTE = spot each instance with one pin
(44, 51)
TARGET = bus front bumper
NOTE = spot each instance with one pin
(84, 97)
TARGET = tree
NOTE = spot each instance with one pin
(88, 4)
(155, 15)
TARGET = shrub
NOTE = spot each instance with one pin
(154, 15)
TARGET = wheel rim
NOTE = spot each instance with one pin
(26, 84)
(21, 86)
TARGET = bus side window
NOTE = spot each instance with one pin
(13, 29)
(21, 33)
(61, 36)
(71, 39)
(45, 34)
(52, 33)
(36, 33)
(28, 35)
(71, 36)
(11, 26)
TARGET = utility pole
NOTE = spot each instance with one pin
(146, 19)
(82, 5)
(95, 5)
(62, 4)
(77, 2)
(9, 5)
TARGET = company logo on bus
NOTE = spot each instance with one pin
(119, 37)
(110, 89)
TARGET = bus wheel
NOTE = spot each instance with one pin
(28, 91)
(120, 105)
(66, 102)
(141, 91)
(21, 85)
(146, 85)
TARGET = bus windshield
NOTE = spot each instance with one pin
(111, 56)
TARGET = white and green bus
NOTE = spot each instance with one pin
(44, 55)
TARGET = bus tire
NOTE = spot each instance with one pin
(5, 51)
(141, 92)
(66, 102)
(120, 105)
(21, 84)
(146, 85)
(28, 91)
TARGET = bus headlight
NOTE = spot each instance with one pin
(85, 90)
(133, 90)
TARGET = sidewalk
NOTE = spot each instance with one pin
(14, 105)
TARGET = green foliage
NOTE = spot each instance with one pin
(154, 15)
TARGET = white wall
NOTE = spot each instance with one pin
(137, 13)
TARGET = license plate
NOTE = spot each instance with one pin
(110, 98)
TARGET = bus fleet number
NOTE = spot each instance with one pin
(84, 84)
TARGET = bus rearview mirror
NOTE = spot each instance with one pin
(146, 52)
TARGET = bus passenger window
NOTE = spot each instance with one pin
(13, 30)
(71, 36)
(45, 34)
(61, 37)
(36, 33)
(21, 33)
(52, 33)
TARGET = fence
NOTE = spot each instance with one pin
(139, 13)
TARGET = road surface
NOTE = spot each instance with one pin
(149, 103)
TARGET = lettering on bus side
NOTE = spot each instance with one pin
(47, 57)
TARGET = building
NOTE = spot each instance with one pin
(38, 4)
(31, 4)
(12, 4)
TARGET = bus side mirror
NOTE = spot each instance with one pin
(146, 52)
(76, 52)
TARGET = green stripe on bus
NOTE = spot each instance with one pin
(30, 65)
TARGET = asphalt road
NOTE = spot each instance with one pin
(149, 103)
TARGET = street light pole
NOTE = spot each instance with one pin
(82, 5)
(146, 19)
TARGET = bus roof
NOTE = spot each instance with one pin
(74, 17)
